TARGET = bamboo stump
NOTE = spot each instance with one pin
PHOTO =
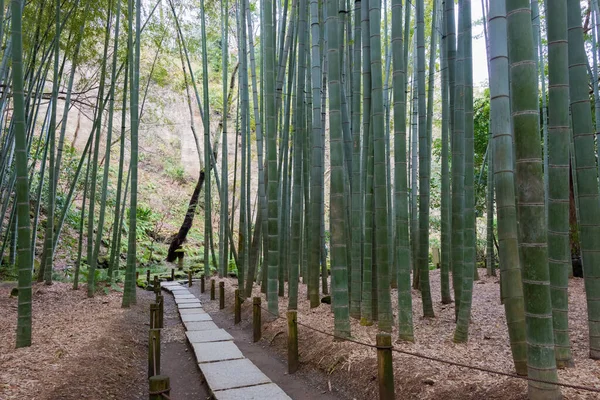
(202, 288)
(212, 289)
(221, 295)
(190, 278)
(256, 319)
(385, 370)
(148, 276)
(173, 274)
(293, 361)
(238, 308)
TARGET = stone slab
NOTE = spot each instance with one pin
(220, 351)
(215, 335)
(167, 284)
(189, 311)
(178, 289)
(196, 317)
(200, 326)
(260, 392)
(183, 295)
(189, 305)
(186, 301)
(231, 374)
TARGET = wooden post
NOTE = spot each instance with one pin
(137, 275)
(173, 274)
(221, 295)
(212, 289)
(385, 369)
(292, 341)
(202, 284)
(160, 301)
(159, 385)
(190, 278)
(153, 316)
(156, 285)
(238, 308)
(154, 352)
(148, 276)
(256, 319)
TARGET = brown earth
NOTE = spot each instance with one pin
(90, 348)
(350, 369)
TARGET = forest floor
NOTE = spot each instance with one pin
(89, 348)
(350, 370)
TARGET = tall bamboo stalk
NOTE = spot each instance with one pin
(530, 201)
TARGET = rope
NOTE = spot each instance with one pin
(440, 360)
(163, 393)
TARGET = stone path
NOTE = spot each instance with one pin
(229, 375)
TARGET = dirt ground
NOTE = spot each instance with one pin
(306, 384)
(89, 348)
(350, 369)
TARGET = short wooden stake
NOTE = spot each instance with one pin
(238, 308)
(153, 316)
(160, 301)
(159, 385)
(292, 341)
(202, 288)
(156, 285)
(212, 289)
(148, 276)
(137, 275)
(385, 369)
(173, 274)
(221, 295)
(190, 278)
(154, 352)
(256, 319)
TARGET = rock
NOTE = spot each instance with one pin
(326, 300)
(428, 381)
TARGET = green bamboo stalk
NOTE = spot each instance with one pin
(558, 174)
(357, 181)
(445, 188)
(464, 313)
(457, 223)
(402, 258)
(587, 177)
(367, 315)
(129, 294)
(119, 201)
(338, 215)
(22, 185)
(268, 22)
(111, 108)
(530, 201)
(510, 268)
(52, 179)
(223, 251)
(91, 284)
(424, 167)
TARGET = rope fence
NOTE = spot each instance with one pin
(432, 358)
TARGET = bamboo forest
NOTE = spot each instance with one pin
(299, 199)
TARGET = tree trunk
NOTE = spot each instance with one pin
(179, 239)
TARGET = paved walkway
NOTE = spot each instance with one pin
(229, 375)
